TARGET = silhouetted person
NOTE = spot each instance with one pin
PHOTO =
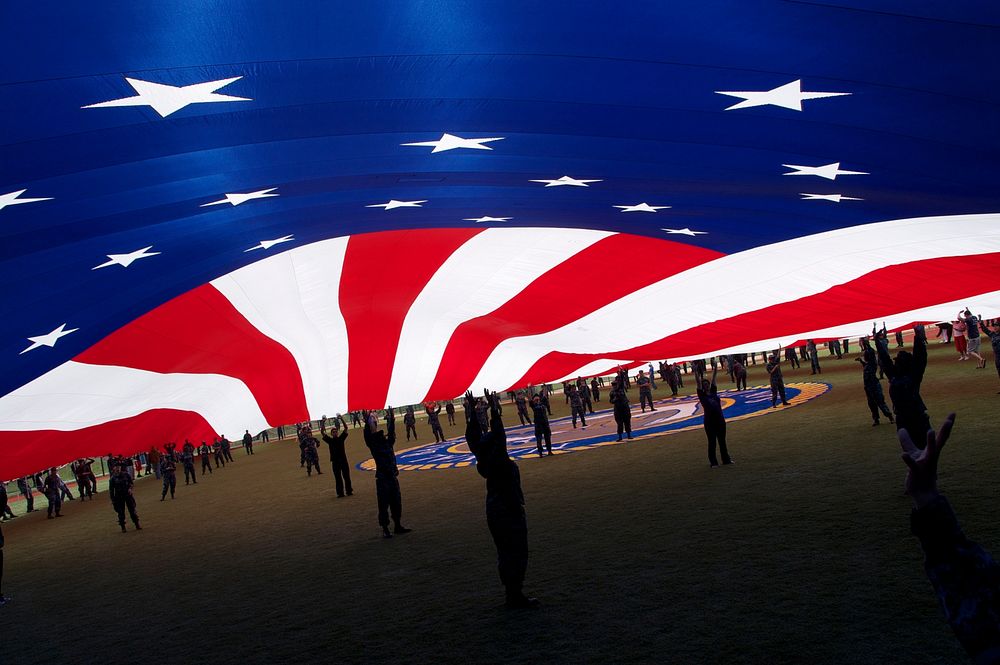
(248, 442)
(338, 458)
(390, 499)
(645, 391)
(777, 381)
(310, 451)
(906, 373)
(714, 420)
(543, 432)
(621, 408)
(522, 408)
(206, 458)
(120, 491)
(965, 577)
(52, 491)
(740, 375)
(449, 408)
(410, 421)
(433, 411)
(873, 387)
(168, 471)
(504, 504)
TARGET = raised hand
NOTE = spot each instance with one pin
(921, 477)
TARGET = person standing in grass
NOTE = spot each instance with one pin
(410, 422)
(168, 471)
(248, 442)
(206, 460)
(387, 493)
(505, 515)
(777, 381)
(120, 491)
(338, 458)
(449, 408)
(621, 408)
(5, 512)
(714, 420)
(52, 489)
(961, 343)
(433, 410)
(873, 387)
(542, 430)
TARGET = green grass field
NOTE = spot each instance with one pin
(800, 553)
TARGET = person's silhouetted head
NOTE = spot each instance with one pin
(904, 362)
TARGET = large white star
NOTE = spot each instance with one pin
(268, 244)
(788, 96)
(125, 260)
(684, 232)
(836, 198)
(50, 339)
(566, 180)
(393, 203)
(641, 207)
(10, 199)
(236, 199)
(828, 171)
(167, 99)
(487, 218)
(450, 142)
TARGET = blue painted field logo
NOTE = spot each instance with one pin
(671, 416)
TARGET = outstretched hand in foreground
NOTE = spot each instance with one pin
(921, 478)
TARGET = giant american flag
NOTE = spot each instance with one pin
(231, 215)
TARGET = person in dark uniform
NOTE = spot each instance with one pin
(792, 357)
(543, 395)
(5, 512)
(899, 339)
(220, 459)
(24, 487)
(777, 381)
(310, 450)
(505, 515)
(248, 442)
(482, 413)
(410, 421)
(993, 334)
(265, 436)
(120, 491)
(390, 499)
(449, 408)
(170, 447)
(542, 429)
(622, 409)
(576, 406)
(672, 373)
(226, 446)
(740, 375)
(813, 357)
(187, 461)
(168, 471)
(714, 419)
(581, 387)
(645, 391)
(52, 491)
(906, 373)
(595, 389)
(433, 410)
(873, 387)
(338, 458)
(522, 408)
(86, 477)
(206, 460)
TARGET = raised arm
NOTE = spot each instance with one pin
(884, 359)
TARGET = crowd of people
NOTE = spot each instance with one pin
(964, 576)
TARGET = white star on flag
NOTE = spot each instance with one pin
(836, 198)
(487, 218)
(50, 339)
(166, 99)
(393, 203)
(788, 96)
(684, 232)
(10, 199)
(125, 260)
(268, 244)
(566, 180)
(641, 207)
(236, 199)
(451, 142)
(828, 171)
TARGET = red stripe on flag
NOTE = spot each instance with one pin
(383, 275)
(604, 272)
(22, 453)
(201, 332)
